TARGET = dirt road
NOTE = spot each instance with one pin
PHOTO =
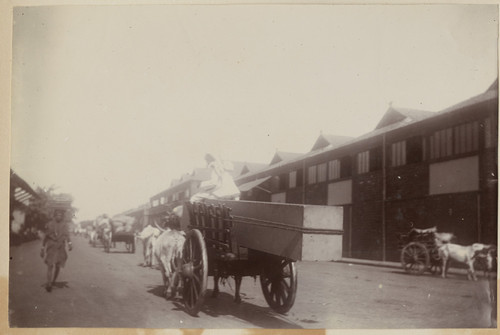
(97, 289)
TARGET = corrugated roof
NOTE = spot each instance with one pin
(411, 117)
(490, 94)
(252, 184)
(494, 86)
(17, 181)
(252, 167)
(237, 168)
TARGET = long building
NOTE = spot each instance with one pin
(416, 169)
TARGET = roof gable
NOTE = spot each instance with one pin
(325, 140)
(494, 86)
(394, 115)
(251, 167)
(281, 156)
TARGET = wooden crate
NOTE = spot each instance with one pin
(297, 232)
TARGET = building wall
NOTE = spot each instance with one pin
(456, 193)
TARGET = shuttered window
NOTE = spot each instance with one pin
(311, 175)
(363, 162)
(334, 169)
(442, 143)
(398, 153)
(322, 170)
(466, 137)
(292, 179)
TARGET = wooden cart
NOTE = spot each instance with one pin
(126, 235)
(127, 238)
(241, 238)
(419, 252)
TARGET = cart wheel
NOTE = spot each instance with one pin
(415, 258)
(279, 285)
(194, 270)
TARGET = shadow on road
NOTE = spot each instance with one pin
(120, 252)
(452, 275)
(61, 284)
(57, 284)
(263, 317)
(157, 291)
(259, 316)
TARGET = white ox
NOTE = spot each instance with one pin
(463, 254)
(148, 238)
(168, 252)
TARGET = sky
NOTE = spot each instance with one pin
(110, 103)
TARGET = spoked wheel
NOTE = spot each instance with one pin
(194, 270)
(279, 285)
(415, 258)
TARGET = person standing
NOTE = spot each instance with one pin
(54, 247)
(221, 184)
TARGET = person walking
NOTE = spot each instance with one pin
(54, 247)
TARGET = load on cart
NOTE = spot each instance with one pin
(226, 237)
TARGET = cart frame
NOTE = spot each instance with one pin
(212, 249)
(419, 251)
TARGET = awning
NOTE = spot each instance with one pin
(252, 184)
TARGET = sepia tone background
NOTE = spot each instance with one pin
(6, 30)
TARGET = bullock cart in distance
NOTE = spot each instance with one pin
(122, 231)
(243, 238)
(419, 250)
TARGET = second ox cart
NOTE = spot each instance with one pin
(243, 238)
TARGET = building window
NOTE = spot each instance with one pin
(398, 153)
(322, 169)
(488, 133)
(186, 194)
(363, 162)
(155, 203)
(334, 169)
(458, 140)
(283, 181)
(292, 179)
(345, 167)
(407, 152)
(415, 149)
(300, 177)
(375, 159)
(311, 176)
(441, 143)
(466, 137)
(162, 200)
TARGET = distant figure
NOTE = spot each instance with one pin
(54, 247)
(221, 184)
